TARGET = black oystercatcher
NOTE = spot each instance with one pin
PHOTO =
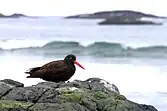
(56, 71)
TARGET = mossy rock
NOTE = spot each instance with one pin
(75, 95)
(7, 104)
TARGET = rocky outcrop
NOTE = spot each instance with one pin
(94, 94)
(116, 13)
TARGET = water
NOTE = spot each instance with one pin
(134, 58)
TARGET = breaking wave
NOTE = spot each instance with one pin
(98, 49)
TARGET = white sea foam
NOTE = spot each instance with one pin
(128, 77)
(24, 43)
(21, 43)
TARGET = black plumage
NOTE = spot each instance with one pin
(56, 71)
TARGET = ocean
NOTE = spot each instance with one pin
(134, 58)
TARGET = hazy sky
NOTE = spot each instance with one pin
(68, 7)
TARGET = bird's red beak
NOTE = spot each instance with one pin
(75, 62)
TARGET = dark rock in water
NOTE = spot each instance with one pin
(127, 21)
(93, 94)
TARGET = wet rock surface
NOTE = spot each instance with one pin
(93, 94)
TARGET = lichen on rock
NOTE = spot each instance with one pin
(12, 104)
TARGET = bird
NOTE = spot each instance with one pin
(56, 71)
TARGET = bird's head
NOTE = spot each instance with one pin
(72, 58)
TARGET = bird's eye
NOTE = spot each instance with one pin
(71, 58)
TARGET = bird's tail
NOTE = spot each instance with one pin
(31, 71)
(28, 77)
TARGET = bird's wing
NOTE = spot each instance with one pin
(54, 64)
(55, 67)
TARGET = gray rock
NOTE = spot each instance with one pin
(58, 107)
(93, 94)
(4, 88)
(6, 85)
(12, 82)
(47, 85)
(27, 94)
(102, 85)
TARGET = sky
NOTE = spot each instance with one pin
(72, 7)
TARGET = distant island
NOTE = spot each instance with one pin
(124, 17)
(110, 14)
(16, 15)
(12, 16)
